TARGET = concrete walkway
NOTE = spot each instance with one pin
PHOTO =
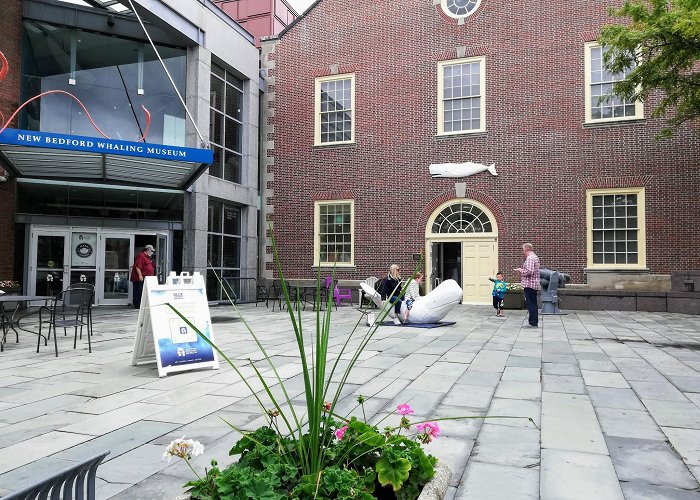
(615, 395)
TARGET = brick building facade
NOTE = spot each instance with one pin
(10, 45)
(549, 158)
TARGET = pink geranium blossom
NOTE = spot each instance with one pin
(341, 432)
(404, 409)
(431, 430)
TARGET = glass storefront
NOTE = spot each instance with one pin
(223, 246)
(74, 199)
(62, 255)
(112, 76)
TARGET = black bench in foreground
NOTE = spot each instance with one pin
(76, 482)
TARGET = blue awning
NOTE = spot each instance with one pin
(43, 155)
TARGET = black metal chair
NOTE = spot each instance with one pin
(262, 292)
(277, 296)
(77, 481)
(71, 308)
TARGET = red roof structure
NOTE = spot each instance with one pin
(260, 18)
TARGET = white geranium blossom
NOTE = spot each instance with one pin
(183, 448)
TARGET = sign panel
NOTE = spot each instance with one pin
(83, 250)
(164, 337)
(105, 146)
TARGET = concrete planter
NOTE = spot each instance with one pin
(514, 300)
(436, 489)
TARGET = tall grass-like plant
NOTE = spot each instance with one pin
(318, 453)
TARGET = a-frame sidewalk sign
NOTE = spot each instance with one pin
(165, 338)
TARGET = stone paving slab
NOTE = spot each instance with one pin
(615, 397)
(572, 475)
(499, 482)
(647, 461)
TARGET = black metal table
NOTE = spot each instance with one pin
(10, 321)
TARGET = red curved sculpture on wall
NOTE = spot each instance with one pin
(5, 68)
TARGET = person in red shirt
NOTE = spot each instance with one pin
(530, 279)
(143, 266)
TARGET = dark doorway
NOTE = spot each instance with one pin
(447, 263)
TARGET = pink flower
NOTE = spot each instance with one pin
(341, 432)
(431, 430)
(404, 409)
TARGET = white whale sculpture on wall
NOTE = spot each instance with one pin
(460, 169)
(431, 308)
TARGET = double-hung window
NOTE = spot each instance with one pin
(334, 233)
(616, 229)
(601, 104)
(461, 96)
(335, 110)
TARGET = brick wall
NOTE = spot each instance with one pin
(10, 45)
(546, 158)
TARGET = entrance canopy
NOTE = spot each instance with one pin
(43, 155)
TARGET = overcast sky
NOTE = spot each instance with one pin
(300, 5)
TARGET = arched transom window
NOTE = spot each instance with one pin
(459, 9)
(462, 218)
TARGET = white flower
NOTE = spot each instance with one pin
(183, 448)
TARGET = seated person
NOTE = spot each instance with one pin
(391, 290)
(412, 294)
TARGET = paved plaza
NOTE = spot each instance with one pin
(615, 396)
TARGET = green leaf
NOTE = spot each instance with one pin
(393, 473)
(371, 438)
(358, 426)
(261, 490)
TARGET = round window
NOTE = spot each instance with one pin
(460, 8)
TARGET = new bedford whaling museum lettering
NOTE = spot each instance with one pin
(99, 145)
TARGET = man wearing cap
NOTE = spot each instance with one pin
(143, 266)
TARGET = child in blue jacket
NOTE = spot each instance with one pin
(498, 293)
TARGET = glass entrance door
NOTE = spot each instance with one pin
(49, 271)
(162, 258)
(117, 257)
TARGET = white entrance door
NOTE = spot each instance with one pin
(115, 265)
(49, 261)
(462, 244)
(479, 262)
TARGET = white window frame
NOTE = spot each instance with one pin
(317, 108)
(638, 105)
(446, 10)
(317, 233)
(441, 95)
(641, 227)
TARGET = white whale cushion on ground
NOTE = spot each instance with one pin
(431, 308)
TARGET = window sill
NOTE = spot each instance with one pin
(333, 266)
(617, 270)
(614, 123)
(463, 135)
(338, 145)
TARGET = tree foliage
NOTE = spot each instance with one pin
(660, 43)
